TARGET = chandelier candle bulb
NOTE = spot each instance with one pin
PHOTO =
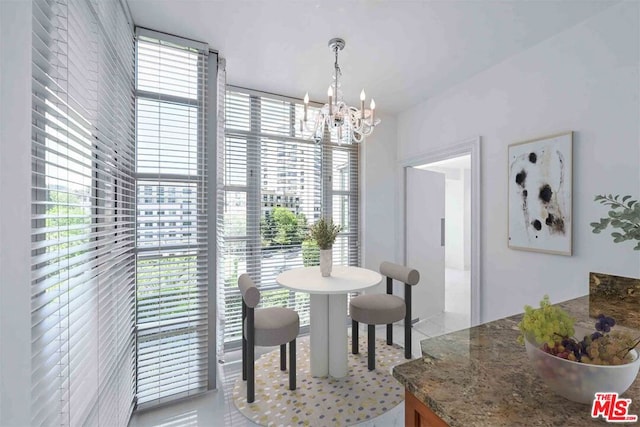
(363, 96)
(306, 105)
(373, 107)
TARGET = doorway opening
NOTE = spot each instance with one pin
(442, 236)
(456, 236)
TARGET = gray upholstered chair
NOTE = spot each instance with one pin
(265, 327)
(384, 309)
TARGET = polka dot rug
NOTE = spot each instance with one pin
(360, 396)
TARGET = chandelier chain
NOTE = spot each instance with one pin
(338, 72)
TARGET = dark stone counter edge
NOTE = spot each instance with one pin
(422, 396)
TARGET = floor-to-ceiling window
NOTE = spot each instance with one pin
(172, 239)
(275, 183)
(83, 235)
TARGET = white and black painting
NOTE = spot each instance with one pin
(540, 194)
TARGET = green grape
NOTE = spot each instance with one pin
(547, 324)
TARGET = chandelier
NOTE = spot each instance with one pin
(336, 119)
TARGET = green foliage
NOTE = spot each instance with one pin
(286, 226)
(624, 215)
(68, 221)
(310, 253)
(232, 279)
(175, 276)
(65, 210)
(303, 226)
(281, 227)
(324, 233)
(267, 230)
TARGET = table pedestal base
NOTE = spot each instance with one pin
(319, 335)
(328, 350)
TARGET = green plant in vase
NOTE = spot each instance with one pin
(624, 216)
(324, 232)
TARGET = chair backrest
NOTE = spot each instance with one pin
(399, 272)
(250, 293)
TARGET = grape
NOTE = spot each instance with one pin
(611, 349)
(604, 323)
(547, 324)
(552, 329)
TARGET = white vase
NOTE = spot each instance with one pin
(326, 262)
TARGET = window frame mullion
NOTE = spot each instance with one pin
(254, 143)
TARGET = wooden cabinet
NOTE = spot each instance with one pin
(416, 413)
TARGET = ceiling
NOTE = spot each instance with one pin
(400, 52)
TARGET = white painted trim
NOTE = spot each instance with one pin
(455, 150)
(16, 24)
(469, 146)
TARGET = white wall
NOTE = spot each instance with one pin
(379, 198)
(454, 224)
(585, 79)
(15, 212)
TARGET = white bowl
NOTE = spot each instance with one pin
(580, 381)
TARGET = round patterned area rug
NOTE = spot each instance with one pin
(360, 396)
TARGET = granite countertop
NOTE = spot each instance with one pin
(482, 377)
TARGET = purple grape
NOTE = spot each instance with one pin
(604, 323)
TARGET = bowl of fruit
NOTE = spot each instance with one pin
(578, 362)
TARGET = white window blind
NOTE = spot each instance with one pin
(171, 171)
(275, 184)
(83, 228)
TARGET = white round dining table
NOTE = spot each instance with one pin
(328, 309)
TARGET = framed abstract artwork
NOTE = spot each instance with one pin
(540, 194)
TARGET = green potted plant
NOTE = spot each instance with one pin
(324, 232)
(624, 215)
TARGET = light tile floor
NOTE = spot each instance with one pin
(216, 408)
